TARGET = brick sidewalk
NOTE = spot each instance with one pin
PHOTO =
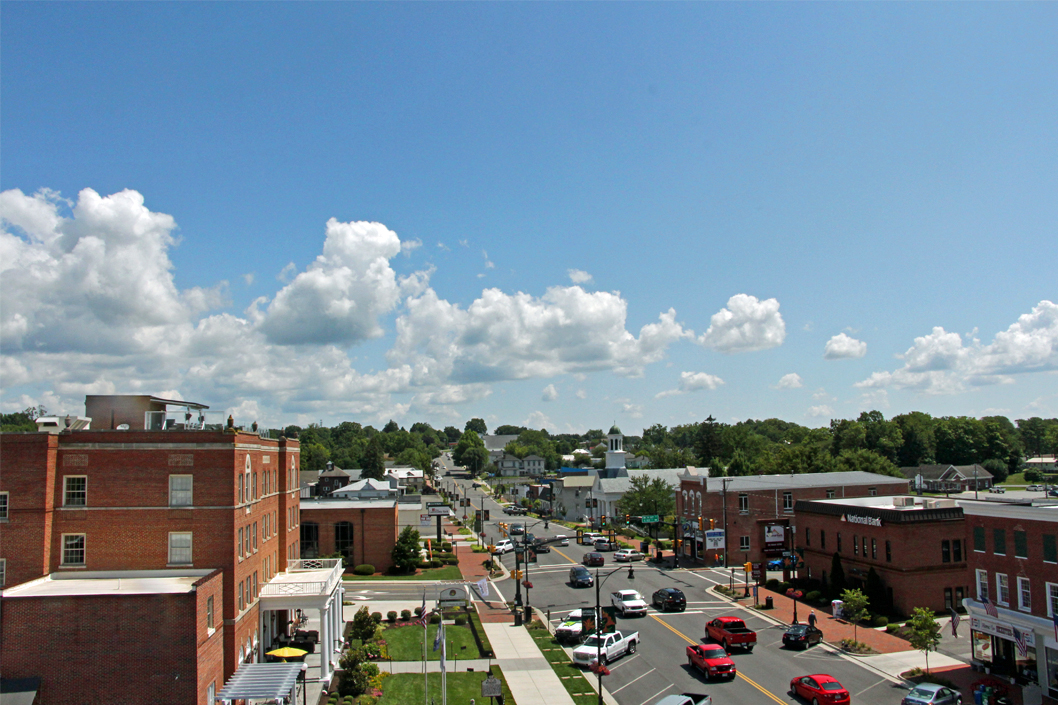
(493, 610)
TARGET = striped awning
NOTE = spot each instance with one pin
(260, 681)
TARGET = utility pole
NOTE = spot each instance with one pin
(464, 503)
(723, 482)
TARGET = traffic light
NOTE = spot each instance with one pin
(678, 542)
(712, 524)
(628, 518)
(486, 515)
(747, 567)
(602, 520)
(701, 524)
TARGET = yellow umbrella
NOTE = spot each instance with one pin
(287, 652)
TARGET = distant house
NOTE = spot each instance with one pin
(513, 466)
(369, 489)
(948, 478)
(495, 445)
(332, 478)
(410, 480)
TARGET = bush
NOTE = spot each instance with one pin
(781, 588)
(461, 619)
(814, 596)
(424, 564)
(880, 621)
(435, 619)
(391, 616)
(772, 584)
(446, 546)
(405, 615)
(376, 617)
(436, 563)
(364, 569)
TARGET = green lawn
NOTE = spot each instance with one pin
(448, 572)
(572, 678)
(405, 643)
(405, 688)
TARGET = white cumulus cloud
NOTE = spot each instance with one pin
(549, 393)
(943, 363)
(820, 411)
(579, 276)
(843, 347)
(790, 381)
(692, 382)
(746, 324)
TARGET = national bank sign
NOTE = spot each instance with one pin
(867, 521)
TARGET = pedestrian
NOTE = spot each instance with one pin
(812, 618)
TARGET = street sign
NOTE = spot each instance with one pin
(492, 687)
(436, 504)
(424, 520)
(649, 519)
(440, 511)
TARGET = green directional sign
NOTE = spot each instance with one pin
(650, 519)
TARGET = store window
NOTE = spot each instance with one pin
(872, 491)
(982, 646)
(956, 550)
(743, 543)
(855, 545)
(1021, 544)
(888, 551)
(75, 491)
(979, 539)
(1052, 673)
(982, 584)
(830, 494)
(999, 542)
(1052, 599)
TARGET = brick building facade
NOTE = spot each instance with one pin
(916, 547)
(364, 530)
(756, 512)
(1013, 563)
(135, 500)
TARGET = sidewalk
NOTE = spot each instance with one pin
(529, 675)
(492, 610)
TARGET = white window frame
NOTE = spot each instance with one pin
(211, 615)
(982, 582)
(831, 494)
(872, 491)
(1002, 589)
(239, 539)
(172, 558)
(787, 501)
(1024, 594)
(66, 490)
(743, 503)
(743, 543)
(1052, 598)
(176, 493)
(5, 505)
(3, 572)
(211, 692)
(84, 551)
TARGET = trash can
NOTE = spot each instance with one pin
(769, 603)
(643, 547)
(661, 556)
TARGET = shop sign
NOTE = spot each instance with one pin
(440, 511)
(424, 520)
(1002, 630)
(866, 521)
(714, 540)
(452, 597)
(774, 537)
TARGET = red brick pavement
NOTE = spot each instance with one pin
(494, 610)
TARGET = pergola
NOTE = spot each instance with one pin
(308, 584)
(275, 682)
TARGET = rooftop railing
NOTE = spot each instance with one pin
(308, 586)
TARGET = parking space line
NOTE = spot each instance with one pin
(741, 674)
(656, 694)
(614, 692)
(623, 662)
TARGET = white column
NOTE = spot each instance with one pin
(260, 633)
(325, 644)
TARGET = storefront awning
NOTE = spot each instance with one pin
(261, 681)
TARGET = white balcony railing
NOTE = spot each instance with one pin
(320, 575)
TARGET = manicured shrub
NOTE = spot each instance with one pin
(376, 617)
(435, 619)
(446, 546)
(405, 615)
(814, 596)
(364, 569)
(391, 616)
(436, 563)
(772, 584)
(461, 619)
(880, 621)
(424, 564)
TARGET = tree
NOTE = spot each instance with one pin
(708, 441)
(998, 468)
(866, 461)
(919, 441)
(854, 607)
(739, 466)
(923, 631)
(363, 627)
(477, 426)
(648, 496)
(373, 461)
(391, 427)
(468, 440)
(452, 433)
(314, 456)
(475, 460)
(508, 430)
(837, 576)
(406, 550)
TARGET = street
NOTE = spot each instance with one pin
(659, 667)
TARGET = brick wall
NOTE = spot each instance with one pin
(1004, 560)
(24, 537)
(374, 532)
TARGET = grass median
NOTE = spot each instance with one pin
(405, 643)
(405, 688)
(572, 678)
(448, 572)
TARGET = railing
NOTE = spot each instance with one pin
(307, 587)
(175, 421)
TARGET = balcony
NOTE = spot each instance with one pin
(305, 577)
(181, 420)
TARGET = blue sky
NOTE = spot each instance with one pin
(550, 214)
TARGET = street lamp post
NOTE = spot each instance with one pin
(598, 619)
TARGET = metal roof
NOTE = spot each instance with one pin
(261, 681)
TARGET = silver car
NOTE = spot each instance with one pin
(932, 694)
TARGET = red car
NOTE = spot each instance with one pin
(711, 660)
(820, 689)
(593, 559)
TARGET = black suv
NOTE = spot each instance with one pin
(579, 576)
(667, 599)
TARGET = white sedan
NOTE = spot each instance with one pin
(627, 554)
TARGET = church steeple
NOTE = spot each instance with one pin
(615, 455)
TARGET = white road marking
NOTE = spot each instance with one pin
(623, 662)
(869, 687)
(612, 692)
(656, 694)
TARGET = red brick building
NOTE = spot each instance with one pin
(364, 530)
(917, 548)
(751, 518)
(1013, 563)
(176, 499)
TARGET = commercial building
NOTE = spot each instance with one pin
(948, 478)
(915, 546)
(1013, 609)
(732, 520)
(157, 489)
(362, 530)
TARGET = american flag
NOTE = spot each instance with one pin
(990, 608)
(1019, 639)
(423, 615)
(955, 619)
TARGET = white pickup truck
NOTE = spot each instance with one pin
(629, 603)
(572, 628)
(614, 646)
(686, 699)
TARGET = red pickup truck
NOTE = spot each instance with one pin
(711, 660)
(731, 632)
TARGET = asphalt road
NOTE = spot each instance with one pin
(659, 667)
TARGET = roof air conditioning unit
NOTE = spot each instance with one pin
(903, 501)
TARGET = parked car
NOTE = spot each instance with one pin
(731, 631)
(711, 660)
(775, 564)
(593, 559)
(932, 694)
(561, 540)
(686, 699)
(605, 545)
(669, 598)
(820, 688)
(802, 635)
(588, 538)
(629, 602)
(627, 554)
(996, 489)
(605, 648)
(1035, 488)
(579, 576)
(504, 546)
(572, 628)
(517, 530)
(1052, 492)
